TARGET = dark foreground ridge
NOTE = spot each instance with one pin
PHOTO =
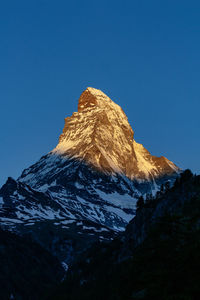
(27, 271)
(156, 258)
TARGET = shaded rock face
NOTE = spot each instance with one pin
(100, 134)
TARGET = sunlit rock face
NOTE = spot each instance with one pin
(100, 134)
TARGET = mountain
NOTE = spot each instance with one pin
(86, 188)
(157, 257)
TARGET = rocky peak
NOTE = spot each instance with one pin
(92, 98)
(100, 134)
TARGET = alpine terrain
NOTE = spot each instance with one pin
(86, 188)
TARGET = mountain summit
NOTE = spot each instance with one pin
(100, 134)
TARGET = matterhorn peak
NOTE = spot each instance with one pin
(100, 135)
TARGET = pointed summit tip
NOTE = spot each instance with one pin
(91, 89)
(95, 92)
(91, 97)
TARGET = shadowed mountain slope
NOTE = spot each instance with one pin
(157, 257)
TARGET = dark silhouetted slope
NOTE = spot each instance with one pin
(156, 258)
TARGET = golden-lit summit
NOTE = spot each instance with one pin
(100, 134)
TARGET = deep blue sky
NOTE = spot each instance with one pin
(145, 55)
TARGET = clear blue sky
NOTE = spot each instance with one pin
(145, 55)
